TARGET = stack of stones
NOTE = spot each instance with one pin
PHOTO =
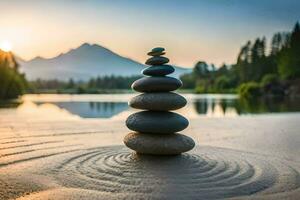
(155, 129)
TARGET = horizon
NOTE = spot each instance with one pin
(46, 29)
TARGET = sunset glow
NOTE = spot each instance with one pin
(5, 46)
(49, 28)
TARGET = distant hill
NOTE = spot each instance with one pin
(82, 63)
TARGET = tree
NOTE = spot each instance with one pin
(245, 54)
(12, 83)
(201, 69)
(289, 59)
(70, 84)
(188, 81)
(278, 42)
(92, 83)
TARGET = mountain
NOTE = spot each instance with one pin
(82, 63)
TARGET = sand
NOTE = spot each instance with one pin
(44, 157)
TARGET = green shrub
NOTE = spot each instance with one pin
(222, 82)
(188, 81)
(269, 79)
(12, 84)
(200, 89)
(249, 90)
(81, 90)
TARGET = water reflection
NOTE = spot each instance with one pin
(93, 109)
(233, 107)
(42, 111)
(215, 107)
(108, 106)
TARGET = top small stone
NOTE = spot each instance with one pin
(158, 51)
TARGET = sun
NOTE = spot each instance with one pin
(5, 45)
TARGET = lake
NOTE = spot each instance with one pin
(115, 105)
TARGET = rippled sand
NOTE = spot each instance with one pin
(70, 158)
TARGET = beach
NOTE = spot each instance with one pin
(62, 156)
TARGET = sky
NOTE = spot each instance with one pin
(190, 30)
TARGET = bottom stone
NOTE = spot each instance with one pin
(164, 144)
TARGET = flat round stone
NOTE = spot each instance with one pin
(158, 70)
(156, 84)
(155, 53)
(158, 101)
(157, 60)
(158, 49)
(169, 144)
(156, 122)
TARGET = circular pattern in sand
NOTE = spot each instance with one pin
(205, 172)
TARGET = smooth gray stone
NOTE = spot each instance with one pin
(170, 144)
(156, 84)
(158, 101)
(156, 122)
(157, 60)
(155, 53)
(158, 49)
(158, 70)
